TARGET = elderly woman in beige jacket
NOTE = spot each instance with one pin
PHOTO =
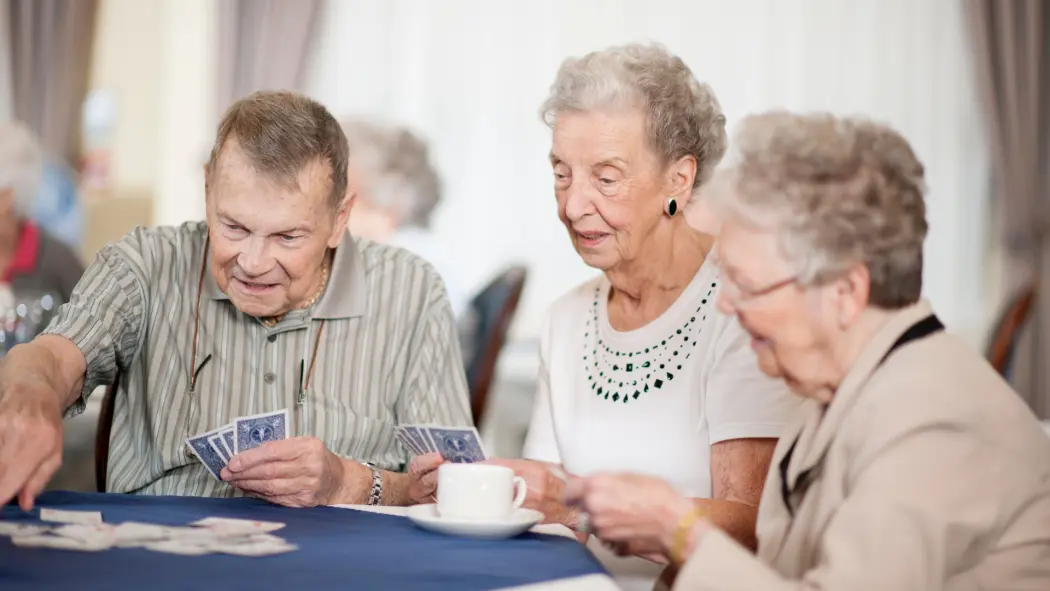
(913, 466)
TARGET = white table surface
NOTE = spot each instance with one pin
(584, 583)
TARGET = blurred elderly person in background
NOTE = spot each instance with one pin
(639, 371)
(33, 263)
(913, 465)
(397, 190)
(267, 305)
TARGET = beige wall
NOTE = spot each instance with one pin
(126, 64)
(156, 58)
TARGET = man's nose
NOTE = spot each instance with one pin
(255, 259)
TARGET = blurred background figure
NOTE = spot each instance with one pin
(57, 207)
(33, 261)
(398, 190)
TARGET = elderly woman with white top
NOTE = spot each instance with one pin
(639, 370)
(912, 465)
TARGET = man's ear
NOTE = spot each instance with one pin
(342, 217)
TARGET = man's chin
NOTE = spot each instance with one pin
(256, 308)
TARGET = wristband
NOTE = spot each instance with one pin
(681, 536)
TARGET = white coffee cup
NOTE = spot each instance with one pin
(478, 492)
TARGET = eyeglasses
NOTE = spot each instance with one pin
(741, 297)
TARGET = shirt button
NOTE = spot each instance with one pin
(269, 377)
(272, 338)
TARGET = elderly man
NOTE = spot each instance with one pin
(268, 305)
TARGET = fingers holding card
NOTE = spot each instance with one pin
(215, 448)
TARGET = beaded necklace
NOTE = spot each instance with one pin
(625, 375)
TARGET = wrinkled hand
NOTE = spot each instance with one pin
(545, 490)
(296, 472)
(30, 439)
(423, 484)
(634, 514)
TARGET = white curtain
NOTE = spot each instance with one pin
(471, 74)
(6, 92)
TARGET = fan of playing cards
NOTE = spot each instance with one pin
(215, 448)
(85, 531)
(455, 444)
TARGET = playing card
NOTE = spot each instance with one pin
(179, 547)
(417, 434)
(220, 448)
(406, 441)
(227, 439)
(131, 533)
(207, 454)
(22, 529)
(457, 445)
(86, 533)
(251, 432)
(65, 516)
(61, 543)
(255, 547)
(246, 525)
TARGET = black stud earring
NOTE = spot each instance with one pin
(672, 206)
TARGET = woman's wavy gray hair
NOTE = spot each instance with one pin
(21, 165)
(683, 115)
(398, 163)
(839, 191)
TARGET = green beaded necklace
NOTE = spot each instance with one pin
(626, 375)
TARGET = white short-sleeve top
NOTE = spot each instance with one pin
(651, 400)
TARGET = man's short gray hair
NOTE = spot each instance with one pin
(683, 115)
(839, 191)
(397, 162)
(21, 165)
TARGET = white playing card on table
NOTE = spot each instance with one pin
(61, 543)
(66, 516)
(243, 524)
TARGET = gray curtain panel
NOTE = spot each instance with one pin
(264, 45)
(1011, 39)
(51, 42)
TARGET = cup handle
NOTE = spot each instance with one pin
(521, 489)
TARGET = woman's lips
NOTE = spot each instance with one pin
(590, 239)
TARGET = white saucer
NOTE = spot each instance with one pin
(427, 517)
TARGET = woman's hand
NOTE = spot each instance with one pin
(633, 514)
(545, 490)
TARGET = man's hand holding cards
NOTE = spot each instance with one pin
(265, 462)
(455, 444)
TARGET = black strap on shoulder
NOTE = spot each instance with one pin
(921, 329)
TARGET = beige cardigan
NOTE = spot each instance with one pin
(929, 473)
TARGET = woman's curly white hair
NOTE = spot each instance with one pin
(839, 191)
(683, 115)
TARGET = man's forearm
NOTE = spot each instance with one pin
(52, 360)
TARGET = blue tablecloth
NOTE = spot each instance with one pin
(338, 549)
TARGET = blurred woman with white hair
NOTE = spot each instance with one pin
(32, 261)
(398, 190)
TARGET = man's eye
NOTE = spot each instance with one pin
(288, 237)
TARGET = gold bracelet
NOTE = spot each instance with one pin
(681, 536)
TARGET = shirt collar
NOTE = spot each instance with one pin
(823, 430)
(345, 296)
